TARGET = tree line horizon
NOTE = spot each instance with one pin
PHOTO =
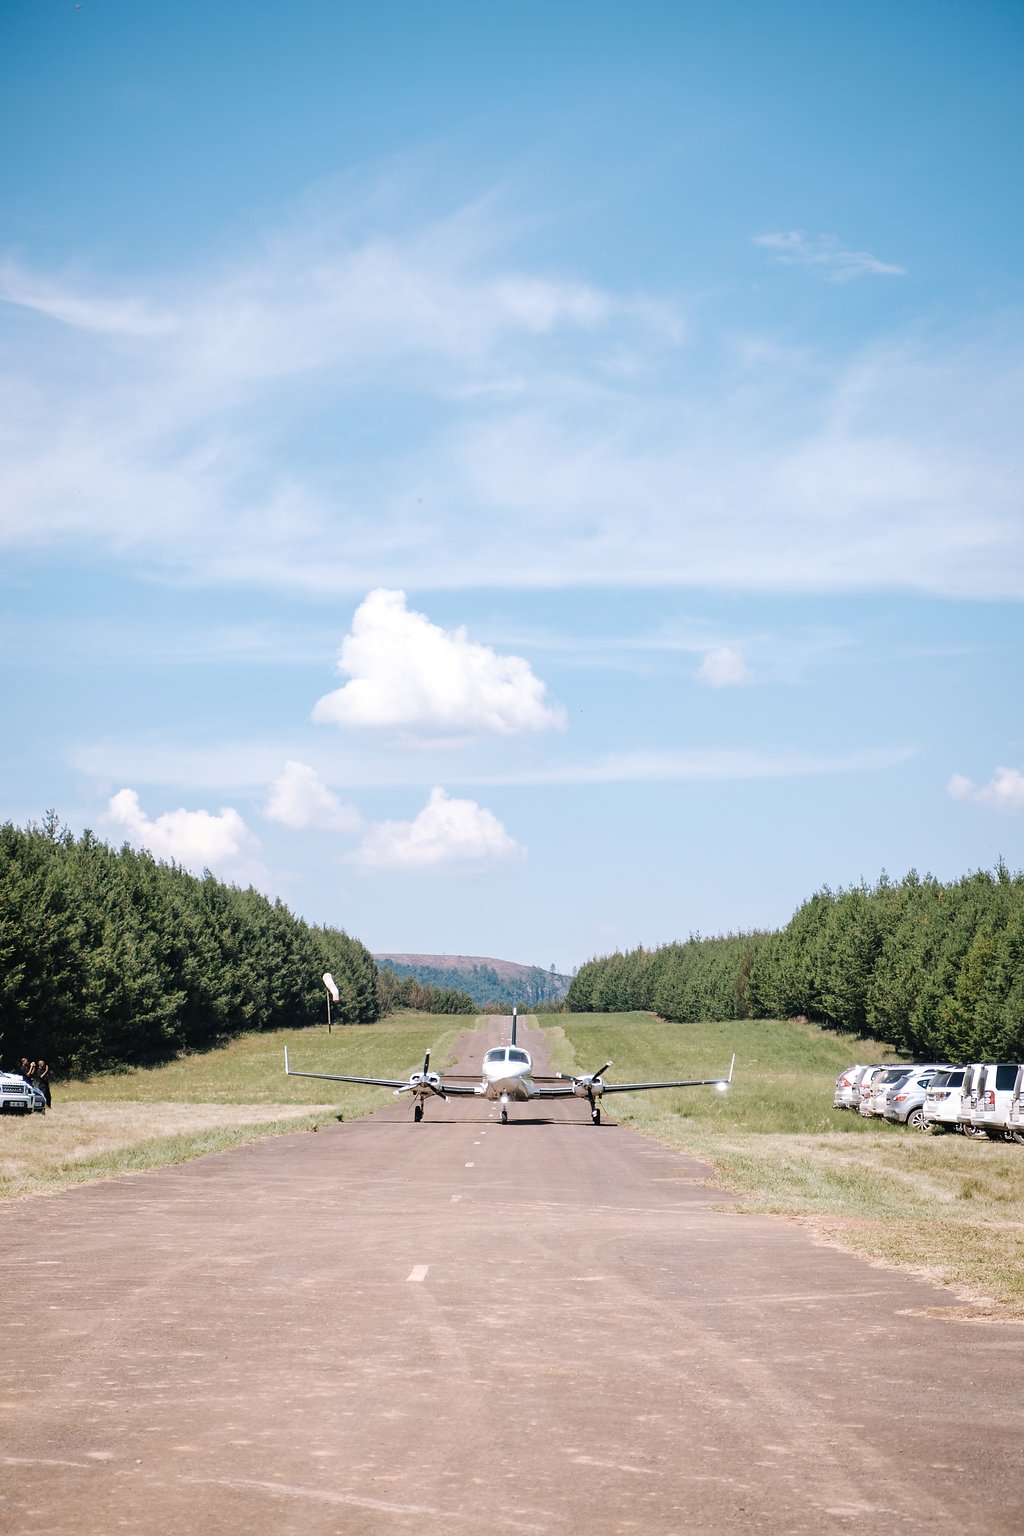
(933, 969)
(112, 958)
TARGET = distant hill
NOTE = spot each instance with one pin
(486, 980)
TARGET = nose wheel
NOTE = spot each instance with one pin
(595, 1113)
(504, 1116)
(417, 1113)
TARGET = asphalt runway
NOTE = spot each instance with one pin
(457, 1326)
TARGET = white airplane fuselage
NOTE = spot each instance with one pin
(507, 1074)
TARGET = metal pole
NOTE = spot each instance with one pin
(328, 1013)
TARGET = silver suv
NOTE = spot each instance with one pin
(904, 1102)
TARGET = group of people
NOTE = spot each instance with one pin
(38, 1074)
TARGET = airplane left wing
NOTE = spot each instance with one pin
(419, 1083)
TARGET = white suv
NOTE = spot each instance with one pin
(18, 1097)
(995, 1085)
(1015, 1118)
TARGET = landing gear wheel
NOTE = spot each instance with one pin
(417, 1113)
(595, 1114)
(504, 1117)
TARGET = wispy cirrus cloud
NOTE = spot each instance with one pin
(825, 256)
(553, 432)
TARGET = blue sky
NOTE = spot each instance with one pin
(524, 480)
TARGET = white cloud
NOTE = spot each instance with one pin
(1004, 791)
(299, 799)
(532, 430)
(824, 254)
(724, 668)
(410, 675)
(446, 833)
(196, 839)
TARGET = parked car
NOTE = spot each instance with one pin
(995, 1084)
(1015, 1118)
(866, 1086)
(847, 1086)
(873, 1102)
(19, 1097)
(942, 1101)
(969, 1099)
(904, 1101)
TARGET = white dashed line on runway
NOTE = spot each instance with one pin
(419, 1272)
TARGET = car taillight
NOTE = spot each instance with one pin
(900, 1097)
(990, 1099)
(939, 1093)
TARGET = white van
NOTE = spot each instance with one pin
(1015, 1118)
(995, 1087)
(969, 1099)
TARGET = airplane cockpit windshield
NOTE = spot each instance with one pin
(519, 1056)
(507, 1053)
(498, 1055)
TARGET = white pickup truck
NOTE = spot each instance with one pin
(18, 1097)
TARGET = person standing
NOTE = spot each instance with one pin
(42, 1080)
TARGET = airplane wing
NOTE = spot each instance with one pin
(593, 1082)
(689, 1082)
(342, 1077)
(431, 1081)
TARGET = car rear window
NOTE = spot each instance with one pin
(1006, 1075)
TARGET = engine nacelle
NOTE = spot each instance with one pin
(425, 1082)
(588, 1087)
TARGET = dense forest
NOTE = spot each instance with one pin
(108, 957)
(408, 991)
(936, 970)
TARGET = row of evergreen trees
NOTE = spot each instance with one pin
(408, 991)
(935, 970)
(108, 957)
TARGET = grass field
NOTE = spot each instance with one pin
(127, 1121)
(946, 1207)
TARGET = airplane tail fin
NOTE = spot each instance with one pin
(515, 1021)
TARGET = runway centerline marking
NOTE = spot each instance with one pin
(418, 1272)
(471, 1165)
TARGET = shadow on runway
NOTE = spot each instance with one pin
(380, 1123)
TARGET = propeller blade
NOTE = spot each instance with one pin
(426, 1063)
(600, 1071)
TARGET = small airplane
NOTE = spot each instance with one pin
(508, 1076)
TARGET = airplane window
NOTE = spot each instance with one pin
(518, 1056)
(495, 1056)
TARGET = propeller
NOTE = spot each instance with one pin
(583, 1082)
(423, 1082)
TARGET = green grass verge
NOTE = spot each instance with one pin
(124, 1122)
(944, 1206)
